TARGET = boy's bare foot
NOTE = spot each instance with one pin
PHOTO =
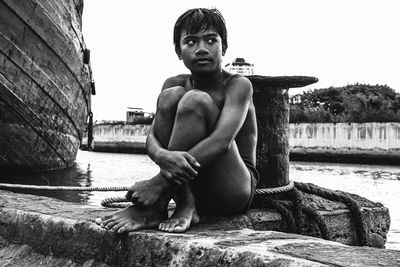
(147, 192)
(181, 220)
(133, 218)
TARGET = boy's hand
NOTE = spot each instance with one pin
(178, 166)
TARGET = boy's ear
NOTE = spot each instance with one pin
(179, 53)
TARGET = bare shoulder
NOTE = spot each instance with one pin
(178, 80)
(238, 84)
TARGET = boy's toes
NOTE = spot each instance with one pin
(129, 228)
(161, 226)
(111, 224)
(117, 226)
(168, 226)
(180, 228)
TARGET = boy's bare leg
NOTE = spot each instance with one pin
(185, 213)
(195, 118)
(228, 180)
(136, 217)
(222, 188)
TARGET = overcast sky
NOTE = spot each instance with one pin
(338, 41)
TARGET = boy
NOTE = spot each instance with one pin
(203, 137)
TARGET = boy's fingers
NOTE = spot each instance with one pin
(172, 179)
(179, 181)
(190, 173)
(192, 160)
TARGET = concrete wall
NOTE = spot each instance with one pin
(121, 133)
(333, 136)
(369, 143)
(346, 136)
(119, 137)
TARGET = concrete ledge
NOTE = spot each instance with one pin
(120, 147)
(36, 229)
(391, 157)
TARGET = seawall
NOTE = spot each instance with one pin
(335, 142)
(120, 137)
(346, 142)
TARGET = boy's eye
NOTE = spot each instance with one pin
(211, 40)
(190, 42)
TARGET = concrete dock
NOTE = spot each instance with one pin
(41, 231)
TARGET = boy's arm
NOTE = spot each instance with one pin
(182, 166)
(176, 166)
(238, 97)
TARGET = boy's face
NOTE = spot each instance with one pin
(201, 52)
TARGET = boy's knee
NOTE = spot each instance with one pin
(196, 102)
(170, 97)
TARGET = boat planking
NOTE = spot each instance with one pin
(45, 83)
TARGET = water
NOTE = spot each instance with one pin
(376, 182)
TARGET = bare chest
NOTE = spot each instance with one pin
(218, 97)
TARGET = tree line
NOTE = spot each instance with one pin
(350, 103)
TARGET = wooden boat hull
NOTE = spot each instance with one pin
(44, 83)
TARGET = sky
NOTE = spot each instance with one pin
(338, 41)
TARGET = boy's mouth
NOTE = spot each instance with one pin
(202, 60)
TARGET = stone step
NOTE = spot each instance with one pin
(35, 229)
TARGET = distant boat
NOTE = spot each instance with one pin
(240, 66)
(45, 83)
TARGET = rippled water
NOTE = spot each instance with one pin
(376, 182)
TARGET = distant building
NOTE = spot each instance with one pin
(138, 115)
(240, 66)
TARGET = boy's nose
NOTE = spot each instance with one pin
(201, 49)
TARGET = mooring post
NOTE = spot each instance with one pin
(271, 101)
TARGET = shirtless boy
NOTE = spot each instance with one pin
(203, 137)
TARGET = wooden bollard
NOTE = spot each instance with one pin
(271, 101)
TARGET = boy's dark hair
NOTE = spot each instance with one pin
(197, 19)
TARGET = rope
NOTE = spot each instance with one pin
(295, 219)
(64, 188)
(264, 201)
(111, 202)
(275, 190)
(300, 207)
(355, 209)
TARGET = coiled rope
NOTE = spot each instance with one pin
(291, 206)
(288, 200)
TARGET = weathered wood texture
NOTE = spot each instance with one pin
(44, 84)
(271, 101)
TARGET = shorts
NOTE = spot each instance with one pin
(255, 177)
